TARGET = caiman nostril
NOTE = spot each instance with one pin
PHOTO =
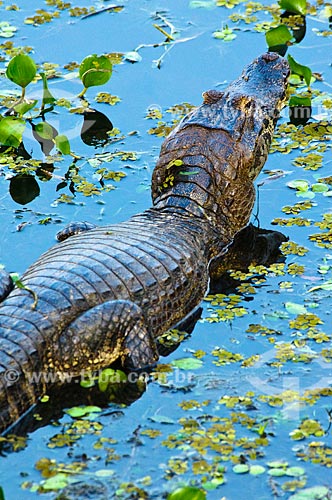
(270, 56)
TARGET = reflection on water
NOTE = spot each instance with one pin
(261, 355)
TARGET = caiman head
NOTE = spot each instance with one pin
(249, 107)
(217, 150)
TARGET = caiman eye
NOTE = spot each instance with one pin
(212, 96)
(243, 102)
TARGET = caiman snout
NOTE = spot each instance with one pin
(275, 63)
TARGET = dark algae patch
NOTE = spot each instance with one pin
(242, 407)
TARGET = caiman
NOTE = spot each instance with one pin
(109, 292)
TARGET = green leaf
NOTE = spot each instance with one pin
(104, 473)
(241, 468)
(296, 100)
(47, 96)
(95, 70)
(44, 130)
(7, 31)
(21, 70)
(300, 70)
(226, 34)
(2, 495)
(309, 195)
(278, 36)
(213, 484)
(275, 464)
(11, 131)
(187, 493)
(299, 184)
(87, 382)
(320, 187)
(296, 6)
(62, 144)
(256, 470)
(23, 107)
(276, 472)
(190, 172)
(82, 411)
(56, 482)
(188, 363)
(314, 493)
(110, 377)
(295, 471)
(17, 280)
(294, 308)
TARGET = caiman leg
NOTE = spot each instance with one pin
(74, 228)
(110, 330)
(6, 284)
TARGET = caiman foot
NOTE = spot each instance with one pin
(74, 228)
(6, 284)
(99, 336)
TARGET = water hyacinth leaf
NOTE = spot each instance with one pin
(275, 464)
(86, 382)
(314, 493)
(95, 70)
(294, 308)
(109, 377)
(23, 107)
(295, 6)
(56, 482)
(278, 472)
(187, 493)
(82, 411)
(278, 36)
(11, 131)
(213, 484)
(296, 100)
(17, 280)
(226, 34)
(47, 96)
(241, 468)
(320, 187)
(309, 195)
(62, 143)
(256, 470)
(7, 31)
(300, 69)
(299, 184)
(44, 130)
(188, 363)
(104, 473)
(21, 70)
(295, 471)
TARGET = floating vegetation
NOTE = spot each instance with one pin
(249, 395)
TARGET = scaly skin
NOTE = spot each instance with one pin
(109, 292)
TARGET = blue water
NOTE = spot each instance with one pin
(187, 70)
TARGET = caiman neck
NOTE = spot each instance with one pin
(208, 180)
(191, 219)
